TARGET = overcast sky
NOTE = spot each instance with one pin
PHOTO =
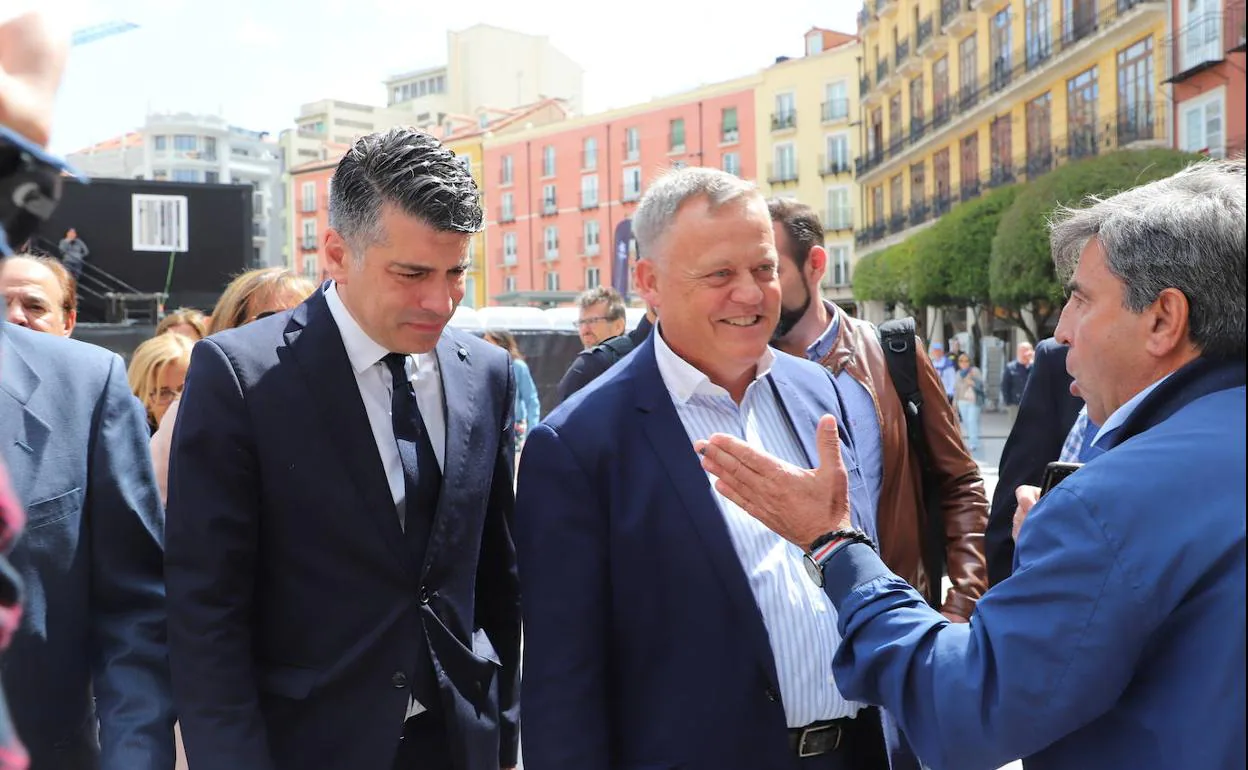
(256, 61)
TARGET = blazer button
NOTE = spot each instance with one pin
(424, 594)
(399, 680)
(772, 695)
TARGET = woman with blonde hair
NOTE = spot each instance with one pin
(251, 296)
(186, 321)
(528, 409)
(157, 370)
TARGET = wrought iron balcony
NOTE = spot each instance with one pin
(834, 109)
(833, 166)
(919, 212)
(781, 121)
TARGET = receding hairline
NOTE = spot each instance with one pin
(712, 209)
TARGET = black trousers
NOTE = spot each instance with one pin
(862, 746)
(424, 745)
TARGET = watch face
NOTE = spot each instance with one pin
(812, 569)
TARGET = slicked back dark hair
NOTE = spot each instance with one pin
(410, 170)
(802, 225)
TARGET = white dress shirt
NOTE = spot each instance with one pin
(376, 389)
(800, 621)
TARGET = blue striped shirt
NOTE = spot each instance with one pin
(800, 621)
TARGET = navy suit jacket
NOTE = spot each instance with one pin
(1046, 414)
(75, 443)
(296, 612)
(644, 645)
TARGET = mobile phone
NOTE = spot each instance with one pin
(1054, 472)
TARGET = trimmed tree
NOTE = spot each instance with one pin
(1020, 275)
(951, 257)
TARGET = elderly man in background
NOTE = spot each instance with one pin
(1119, 641)
(40, 294)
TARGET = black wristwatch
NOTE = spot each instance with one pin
(825, 546)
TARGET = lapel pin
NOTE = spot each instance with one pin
(463, 354)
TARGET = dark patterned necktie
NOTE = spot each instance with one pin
(422, 478)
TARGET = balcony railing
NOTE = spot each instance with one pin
(309, 244)
(589, 202)
(551, 253)
(902, 52)
(781, 173)
(864, 86)
(632, 153)
(588, 248)
(1006, 73)
(919, 212)
(924, 35)
(881, 71)
(896, 140)
(729, 136)
(1236, 31)
(506, 215)
(629, 195)
(834, 109)
(1001, 173)
(1204, 42)
(970, 189)
(864, 163)
(549, 208)
(834, 166)
(917, 127)
(896, 223)
(783, 120)
(950, 10)
(865, 19)
(837, 220)
(506, 257)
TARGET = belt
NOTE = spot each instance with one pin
(819, 737)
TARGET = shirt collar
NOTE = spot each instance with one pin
(362, 350)
(823, 345)
(1122, 413)
(684, 380)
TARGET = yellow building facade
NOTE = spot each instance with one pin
(468, 149)
(961, 96)
(805, 113)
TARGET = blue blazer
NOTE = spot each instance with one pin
(75, 441)
(644, 645)
(297, 616)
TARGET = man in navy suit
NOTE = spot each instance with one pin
(88, 674)
(341, 574)
(1046, 413)
(664, 627)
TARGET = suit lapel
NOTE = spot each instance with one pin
(670, 443)
(803, 415)
(456, 371)
(313, 340)
(28, 433)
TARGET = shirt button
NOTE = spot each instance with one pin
(399, 680)
(424, 594)
(772, 695)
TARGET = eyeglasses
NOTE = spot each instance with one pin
(591, 320)
(166, 395)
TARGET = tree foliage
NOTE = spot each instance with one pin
(884, 276)
(1021, 275)
(951, 257)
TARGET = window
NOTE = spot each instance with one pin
(894, 123)
(210, 148)
(1201, 127)
(918, 189)
(840, 213)
(1200, 33)
(505, 171)
(310, 268)
(1135, 92)
(509, 248)
(940, 90)
(836, 100)
(785, 165)
(1037, 23)
(552, 242)
(185, 175)
(589, 191)
(728, 132)
(941, 177)
(212, 177)
(589, 235)
(632, 143)
(593, 278)
(676, 135)
(1039, 135)
(875, 136)
(732, 163)
(552, 281)
(814, 44)
(1078, 19)
(507, 207)
(1000, 43)
(968, 165)
(916, 106)
(877, 205)
(838, 266)
(548, 160)
(968, 82)
(786, 112)
(589, 154)
(309, 234)
(1001, 135)
(509, 284)
(161, 143)
(308, 196)
(1081, 95)
(464, 161)
(158, 223)
(632, 183)
(470, 292)
(837, 147)
(185, 143)
(897, 199)
(549, 204)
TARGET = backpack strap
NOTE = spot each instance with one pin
(900, 354)
(616, 347)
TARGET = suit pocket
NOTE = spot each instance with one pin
(290, 682)
(53, 509)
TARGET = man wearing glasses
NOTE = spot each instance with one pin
(601, 327)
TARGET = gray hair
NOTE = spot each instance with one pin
(1184, 232)
(669, 192)
(603, 294)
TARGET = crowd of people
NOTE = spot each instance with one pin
(296, 528)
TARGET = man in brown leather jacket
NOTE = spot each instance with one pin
(850, 349)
